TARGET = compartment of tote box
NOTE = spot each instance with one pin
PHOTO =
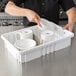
(60, 41)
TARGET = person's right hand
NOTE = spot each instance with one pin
(33, 16)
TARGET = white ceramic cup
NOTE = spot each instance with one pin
(27, 33)
(47, 35)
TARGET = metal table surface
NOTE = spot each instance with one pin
(60, 63)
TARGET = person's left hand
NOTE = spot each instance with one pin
(69, 27)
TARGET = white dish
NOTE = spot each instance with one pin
(25, 44)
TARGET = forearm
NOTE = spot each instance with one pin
(14, 10)
(71, 13)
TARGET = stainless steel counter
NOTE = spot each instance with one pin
(60, 63)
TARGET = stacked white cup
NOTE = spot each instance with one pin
(47, 35)
(27, 33)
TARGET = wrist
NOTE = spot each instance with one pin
(71, 21)
(71, 25)
(71, 16)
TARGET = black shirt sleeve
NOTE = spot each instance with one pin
(66, 4)
(17, 2)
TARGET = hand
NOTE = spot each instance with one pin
(69, 27)
(33, 16)
(71, 13)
